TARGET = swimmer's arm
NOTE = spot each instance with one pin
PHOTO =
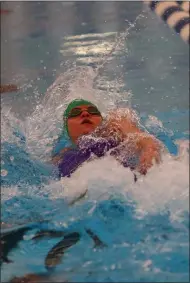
(150, 150)
(147, 146)
(124, 121)
(118, 125)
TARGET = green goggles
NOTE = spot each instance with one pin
(77, 111)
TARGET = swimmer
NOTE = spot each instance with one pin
(92, 136)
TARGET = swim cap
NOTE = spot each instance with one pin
(73, 104)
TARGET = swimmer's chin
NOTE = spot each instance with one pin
(88, 130)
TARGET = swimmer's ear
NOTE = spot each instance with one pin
(8, 88)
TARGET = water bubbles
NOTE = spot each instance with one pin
(72, 219)
(4, 172)
(112, 267)
(147, 264)
(65, 225)
(87, 263)
(156, 270)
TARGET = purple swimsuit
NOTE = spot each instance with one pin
(88, 145)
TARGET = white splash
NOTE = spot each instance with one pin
(9, 192)
(166, 186)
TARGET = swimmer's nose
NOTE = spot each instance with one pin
(85, 114)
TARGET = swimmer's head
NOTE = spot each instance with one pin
(81, 117)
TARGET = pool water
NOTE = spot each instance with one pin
(121, 231)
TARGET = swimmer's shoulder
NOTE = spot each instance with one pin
(60, 143)
(59, 156)
(61, 146)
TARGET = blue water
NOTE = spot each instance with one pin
(143, 228)
(153, 247)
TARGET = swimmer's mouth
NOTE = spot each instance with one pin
(86, 121)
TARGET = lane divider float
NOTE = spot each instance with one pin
(174, 15)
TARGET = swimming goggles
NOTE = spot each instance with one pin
(77, 111)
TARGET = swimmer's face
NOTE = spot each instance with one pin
(83, 120)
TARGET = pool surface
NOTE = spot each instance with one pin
(115, 54)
